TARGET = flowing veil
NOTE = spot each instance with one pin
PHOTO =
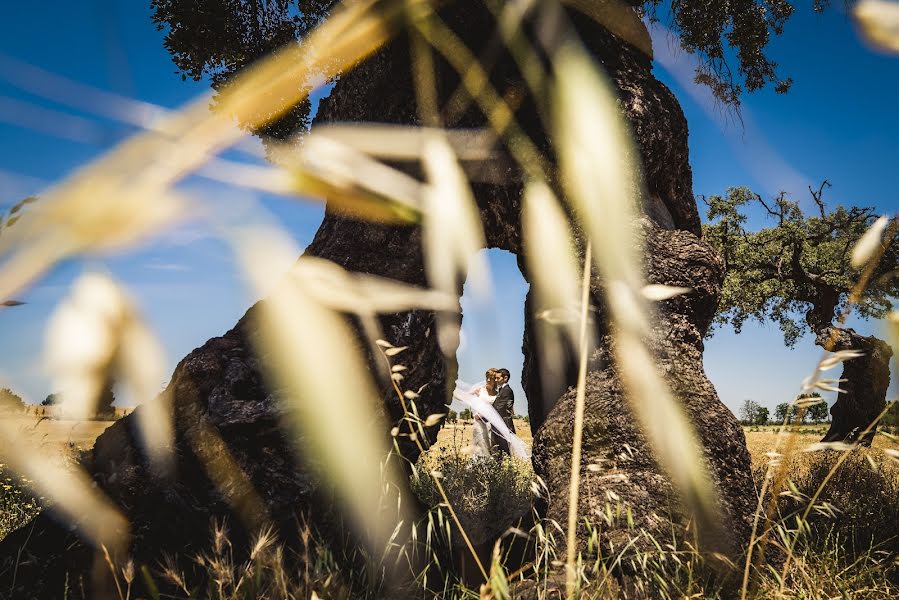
(465, 394)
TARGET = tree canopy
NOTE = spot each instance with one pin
(217, 38)
(796, 273)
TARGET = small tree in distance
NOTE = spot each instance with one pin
(818, 413)
(762, 415)
(749, 412)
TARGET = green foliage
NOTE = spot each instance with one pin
(105, 409)
(748, 412)
(465, 414)
(817, 413)
(891, 418)
(11, 402)
(717, 32)
(783, 412)
(753, 413)
(217, 38)
(797, 272)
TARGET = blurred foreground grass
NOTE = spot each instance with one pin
(851, 551)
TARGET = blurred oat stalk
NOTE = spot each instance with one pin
(127, 196)
(879, 23)
(603, 184)
(315, 358)
(97, 336)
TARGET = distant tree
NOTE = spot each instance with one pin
(761, 415)
(748, 411)
(451, 416)
(798, 273)
(465, 415)
(783, 411)
(817, 413)
(11, 402)
(105, 410)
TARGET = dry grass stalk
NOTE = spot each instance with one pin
(554, 274)
(309, 372)
(574, 485)
(97, 335)
(879, 23)
(603, 186)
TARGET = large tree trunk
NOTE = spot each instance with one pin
(220, 386)
(867, 379)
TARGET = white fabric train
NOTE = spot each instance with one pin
(467, 395)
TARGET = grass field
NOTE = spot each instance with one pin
(829, 562)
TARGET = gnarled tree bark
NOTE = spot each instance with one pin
(867, 379)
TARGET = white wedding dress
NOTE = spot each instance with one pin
(476, 398)
(481, 436)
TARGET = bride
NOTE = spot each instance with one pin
(481, 435)
(488, 424)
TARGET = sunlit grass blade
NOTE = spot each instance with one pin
(879, 22)
(868, 245)
(97, 336)
(553, 273)
(350, 179)
(453, 234)
(602, 179)
(619, 18)
(314, 359)
(82, 342)
(406, 143)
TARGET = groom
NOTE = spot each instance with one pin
(503, 405)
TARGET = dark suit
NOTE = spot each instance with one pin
(503, 404)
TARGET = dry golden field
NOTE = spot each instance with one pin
(759, 440)
(458, 434)
(58, 437)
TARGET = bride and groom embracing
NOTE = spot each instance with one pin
(491, 403)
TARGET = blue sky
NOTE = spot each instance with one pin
(836, 123)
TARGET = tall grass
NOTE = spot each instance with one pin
(129, 195)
